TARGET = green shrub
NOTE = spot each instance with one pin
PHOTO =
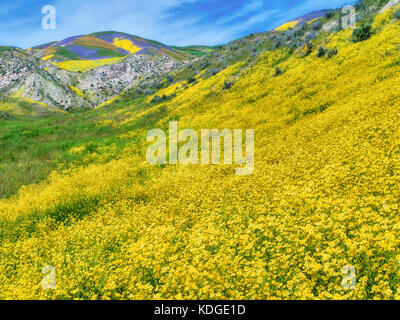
(332, 52)
(204, 65)
(362, 33)
(316, 25)
(308, 49)
(191, 80)
(213, 71)
(300, 29)
(397, 14)
(329, 15)
(157, 99)
(321, 52)
(91, 147)
(278, 72)
(170, 79)
(311, 35)
(278, 41)
(228, 85)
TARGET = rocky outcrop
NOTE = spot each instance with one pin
(109, 80)
(24, 75)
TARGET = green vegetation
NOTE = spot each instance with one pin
(362, 33)
(67, 54)
(197, 51)
(397, 14)
(3, 49)
(104, 52)
(31, 148)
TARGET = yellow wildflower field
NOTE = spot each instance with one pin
(86, 65)
(324, 194)
(126, 44)
(287, 26)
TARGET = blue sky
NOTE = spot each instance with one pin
(174, 22)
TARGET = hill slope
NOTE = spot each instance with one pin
(83, 71)
(72, 84)
(106, 45)
(324, 194)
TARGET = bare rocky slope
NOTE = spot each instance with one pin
(24, 77)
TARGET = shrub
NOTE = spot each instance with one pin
(91, 147)
(308, 48)
(338, 28)
(316, 25)
(191, 80)
(156, 84)
(397, 14)
(310, 36)
(228, 85)
(278, 72)
(362, 33)
(277, 42)
(300, 29)
(170, 79)
(289, 35)
(294, 44)
(204, 65)
(321, 52)
(214, 71)
(157, 99)
(329, 15)
(6, 116)
(332, 52)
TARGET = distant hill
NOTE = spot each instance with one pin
(111, 44)
(305, 18)
(313, 15)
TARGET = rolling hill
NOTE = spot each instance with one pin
(110, 44)
(83, 71)
(303, 19)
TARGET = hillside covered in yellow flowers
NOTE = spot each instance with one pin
(324, 194)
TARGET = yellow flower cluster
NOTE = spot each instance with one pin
(78, 91)
(287, 26)
(126, 45)
(324, 194)
(48, 57)
(87, 65)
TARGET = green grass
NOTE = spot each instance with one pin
(64, 213)
(197, 51)
(30, 148)
(104, 52)
(65, 53)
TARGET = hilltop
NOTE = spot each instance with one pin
(110, 44)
